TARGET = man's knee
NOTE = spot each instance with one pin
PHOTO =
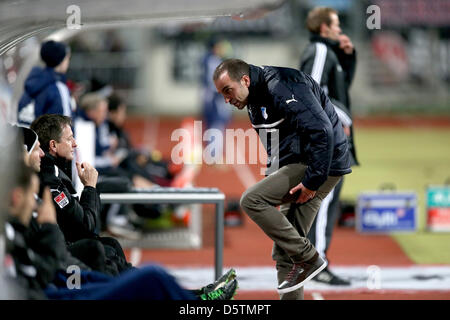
(247, 201)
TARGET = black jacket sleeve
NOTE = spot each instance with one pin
(76, 218)
(307, 64)
(348, 63)
(49, 249)
(307, 60)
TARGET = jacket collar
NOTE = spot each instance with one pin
(16, 224)
(48, 162)
(334, 44)
(258, 86)
(57, 75)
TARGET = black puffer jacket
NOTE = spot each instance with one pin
(308, 127)
(34, 258)
(78, 219)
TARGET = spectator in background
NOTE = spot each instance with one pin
(142, 162)
(330, 59)
(95, 108)
(215, 113)
(45, 88)
(148, 164)
(110, 153)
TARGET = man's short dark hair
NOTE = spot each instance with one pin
(114, 102)
(317, 16)
(50, 127)
(236, 68)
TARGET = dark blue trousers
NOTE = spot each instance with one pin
(147, 283)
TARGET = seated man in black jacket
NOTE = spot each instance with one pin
(34, 269)
(77, 218)
(90, 250)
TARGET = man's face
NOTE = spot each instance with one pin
(333, 30)
(35, 157)
(234, 92)
(119, 116)
(66, 145)
(100, 113)
(64, 65)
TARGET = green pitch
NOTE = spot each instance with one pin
(410, 159)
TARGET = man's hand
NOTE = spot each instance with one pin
(87, 173)
(346, 44)
(346, 130)
(305, 193)
(46, 211)
(141, 182)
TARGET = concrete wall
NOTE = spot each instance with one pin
(163, 96)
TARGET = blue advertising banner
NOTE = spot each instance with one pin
(384, 212)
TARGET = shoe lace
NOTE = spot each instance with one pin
(290, 276)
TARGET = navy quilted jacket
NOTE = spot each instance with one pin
(297, 122)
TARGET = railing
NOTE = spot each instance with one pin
(180, 196)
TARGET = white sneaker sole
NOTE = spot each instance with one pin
(298, 285)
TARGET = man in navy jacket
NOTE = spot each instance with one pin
(307, 157)
(46, 91)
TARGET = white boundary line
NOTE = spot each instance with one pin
(317, 296)
(135, 256)
(363, 278)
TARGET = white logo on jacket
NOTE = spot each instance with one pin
(264, 112)
(291, 100)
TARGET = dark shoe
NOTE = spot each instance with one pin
(301, 273)
(327, 277)
(226, 292)
(219, 283)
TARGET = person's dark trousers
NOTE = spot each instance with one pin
(146, 283)
(321, 231)
(103, 254)
(91, 252)
(114, 253)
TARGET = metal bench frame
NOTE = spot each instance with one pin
(180, 196)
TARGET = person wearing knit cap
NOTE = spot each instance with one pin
(33, 150)
(45, 90)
